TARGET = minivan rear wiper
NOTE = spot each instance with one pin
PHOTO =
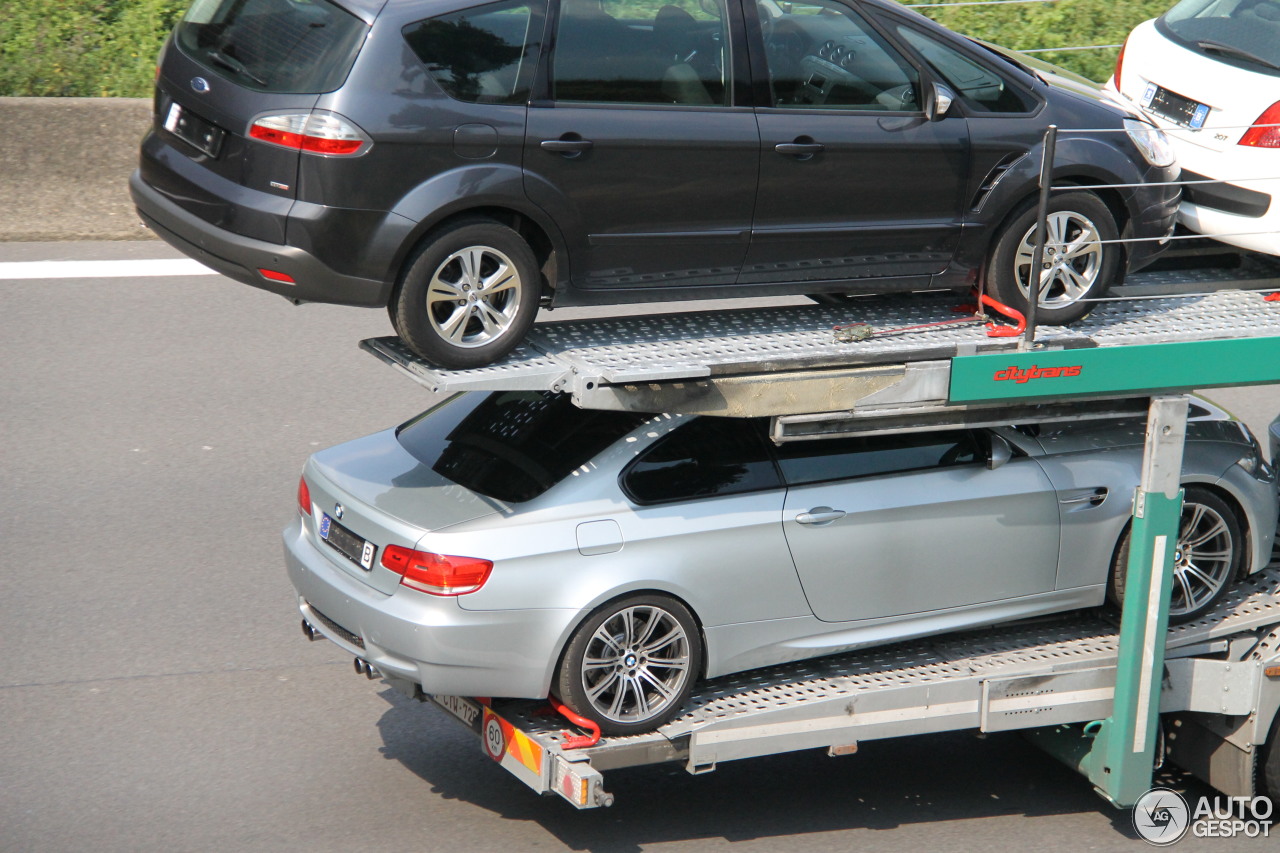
(232, 64)
(1239, 53)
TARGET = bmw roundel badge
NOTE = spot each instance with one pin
(338, 510)
(200, 84)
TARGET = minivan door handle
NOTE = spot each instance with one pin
(802, 147)
(570, 145)
(820, 515)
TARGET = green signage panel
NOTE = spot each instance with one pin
(1115, 371)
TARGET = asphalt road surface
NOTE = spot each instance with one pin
(156, 692)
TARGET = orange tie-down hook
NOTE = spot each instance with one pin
(572, 741)
(1272, 297)
(997, 331)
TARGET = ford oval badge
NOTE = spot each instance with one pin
(200, 84)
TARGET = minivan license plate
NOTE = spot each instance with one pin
(194, 130)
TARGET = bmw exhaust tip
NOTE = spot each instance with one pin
(310, 632)
(368, 670)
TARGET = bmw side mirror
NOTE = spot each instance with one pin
(1000, 452)
(937, 101)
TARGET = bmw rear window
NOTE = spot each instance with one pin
(512, 445)
(278, 46)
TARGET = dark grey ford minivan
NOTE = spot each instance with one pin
(463, 163)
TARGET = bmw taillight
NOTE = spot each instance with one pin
(1120, 64)
(304, 496)
(437, 574)
(316, 133)
(1265, 132)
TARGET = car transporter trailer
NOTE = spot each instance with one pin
(1109, 700)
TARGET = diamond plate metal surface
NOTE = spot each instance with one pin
(696, 345)
(1050, 645)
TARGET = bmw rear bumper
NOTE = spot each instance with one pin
(424, 639)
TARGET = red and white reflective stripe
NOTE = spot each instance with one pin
(317, 133)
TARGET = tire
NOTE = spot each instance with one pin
(1084, 273)
(638, 684)
(468, 296)
(1209, 554)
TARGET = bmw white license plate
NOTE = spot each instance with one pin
(346, 543)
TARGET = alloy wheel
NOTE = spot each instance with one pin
(1072, 259)
(636, 664)
(473, 296)
(1204, 558)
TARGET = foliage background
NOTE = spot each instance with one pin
(104, 48)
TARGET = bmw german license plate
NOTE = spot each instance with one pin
(346, 543)
(194, 130)
(1174, 107)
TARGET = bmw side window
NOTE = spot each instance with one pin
(980, 88)
(869, 456)
(485, 54)
(705, 458)
(822, 55)
(636, 51)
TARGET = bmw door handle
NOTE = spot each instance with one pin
(820, 515)
(1092, 497)
(570, 145)
(799, 148)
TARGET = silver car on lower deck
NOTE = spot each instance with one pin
(511, 544)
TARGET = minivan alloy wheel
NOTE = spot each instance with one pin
(1072, 259)
(474, 296)
(468, 296)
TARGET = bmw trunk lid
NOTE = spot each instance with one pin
(373, 490)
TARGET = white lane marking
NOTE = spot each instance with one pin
(103, 269)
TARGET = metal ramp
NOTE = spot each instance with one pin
(787, 361)
(1048, 672)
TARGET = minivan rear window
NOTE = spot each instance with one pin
(512, 445)
(278, 46)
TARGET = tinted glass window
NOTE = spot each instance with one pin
(485, 54)
(867, 456)
(1245, 33)
(635, 51)
(704, 458)
(282, 46)
(821, 54)
(511, 445)
(981, 89)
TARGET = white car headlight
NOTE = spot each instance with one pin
(1151, 141)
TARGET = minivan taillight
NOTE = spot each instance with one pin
(317, 133)
(304, 496)
(437, 574)
(1260, 135)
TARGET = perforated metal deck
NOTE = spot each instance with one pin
(1053, 671)
(623, 362)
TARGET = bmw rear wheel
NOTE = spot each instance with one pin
(1207, 558)
(469, 296)
(630, 667)
(1078, 264)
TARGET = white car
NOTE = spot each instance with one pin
(1208, 73)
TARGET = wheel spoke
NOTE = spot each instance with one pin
(470, 260)
(674, 635)
(503, 278)
(455, 328)
(666, 692)
(443, 291)
(599, 663)
(677, 664)
(1205, 580)
(1084, 244)
(1217, 528)
(602, 686)
(1188, 600)
(493, 322)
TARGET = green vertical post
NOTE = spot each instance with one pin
(1118, 753)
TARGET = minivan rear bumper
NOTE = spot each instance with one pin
(240, 258)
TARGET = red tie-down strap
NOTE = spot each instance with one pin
(1272, 297)
(853, 332)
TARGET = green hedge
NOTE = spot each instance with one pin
(108, 47)
(92, 48)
